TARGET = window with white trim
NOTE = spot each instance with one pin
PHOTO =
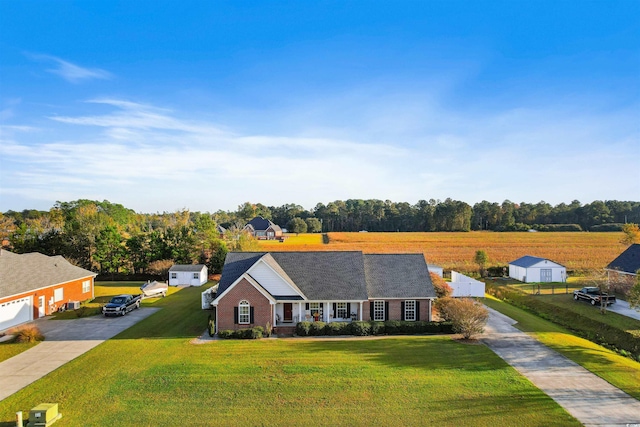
(341, 310)
(378, 310)
(58, 294)
(244, 312)
(174, 275)
(196, 275)
(315, 307)
(86, 286)
(410, 310)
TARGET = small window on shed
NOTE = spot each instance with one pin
(174, 275)
(196, 275)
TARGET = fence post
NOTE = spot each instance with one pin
(566, 285)
(553, 289)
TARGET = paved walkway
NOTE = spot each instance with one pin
(590, 399)
(64, 341)
(622, 307)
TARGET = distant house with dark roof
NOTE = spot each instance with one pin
(263, 229)
(34, 285)
(283, 288)
(531, 269)
(627, 263)
(188, 275)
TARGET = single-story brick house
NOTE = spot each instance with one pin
(283, 288)
(34, 285)
(263, 229)
(531, 269)
(188, 275)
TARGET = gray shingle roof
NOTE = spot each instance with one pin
(21, 273)
(628, 261)
(398, 276)
(195, 268)
(347, 276)
(528, 260)
(260, 224)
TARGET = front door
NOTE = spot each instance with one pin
(288, 309)
(41, 308)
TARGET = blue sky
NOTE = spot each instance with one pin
(164, 105)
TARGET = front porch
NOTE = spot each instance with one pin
(288, 314)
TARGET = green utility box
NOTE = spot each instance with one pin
(43, 415)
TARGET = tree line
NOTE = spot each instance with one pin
(111, 239)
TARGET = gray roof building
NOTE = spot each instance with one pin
(628, 261)
(20, 273)
(348, 275)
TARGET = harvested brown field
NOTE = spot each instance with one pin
(577, 251)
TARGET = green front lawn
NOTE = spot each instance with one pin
(620, 371)
(10, 349)
(152, 375)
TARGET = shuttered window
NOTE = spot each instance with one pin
(378, 310)
(244, 311)
(410, 310)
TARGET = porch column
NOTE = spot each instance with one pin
(273, 307)
(429, 308)
(360, 311)
(327, 312)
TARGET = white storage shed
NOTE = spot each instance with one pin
(531, 269)
(188, 275)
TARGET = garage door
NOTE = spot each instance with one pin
(13, 313)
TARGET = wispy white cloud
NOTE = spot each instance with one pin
(71, 72)
(152, 159)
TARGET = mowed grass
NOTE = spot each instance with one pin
(618, 321)
(576, 251)
(10, 349)
(151, 375)
(619, 371)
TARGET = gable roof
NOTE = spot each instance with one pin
(261, 224)
(628, 261)
(20, 273)
(195, 268)
(398, 276)
(528, 261)
(344, 275)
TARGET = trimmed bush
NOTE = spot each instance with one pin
(317, 329)
(337, 328)
(303, 329)
(226, 334)
(394, 327)
(360, 328)
(378, 328)
(242, 334)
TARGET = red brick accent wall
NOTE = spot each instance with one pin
(72, 292)
(395, 309)
(262, 309)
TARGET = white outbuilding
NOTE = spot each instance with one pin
(531, 269)
(188, 275)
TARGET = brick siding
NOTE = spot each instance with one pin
(262, 309)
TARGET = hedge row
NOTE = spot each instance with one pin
(361, 328)
(244, 334)
(593, 330)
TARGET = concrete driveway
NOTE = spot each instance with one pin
(622, 307)
(64, 341)
(589, 398)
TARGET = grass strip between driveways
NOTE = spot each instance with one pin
(152, 375)
(620, 371)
